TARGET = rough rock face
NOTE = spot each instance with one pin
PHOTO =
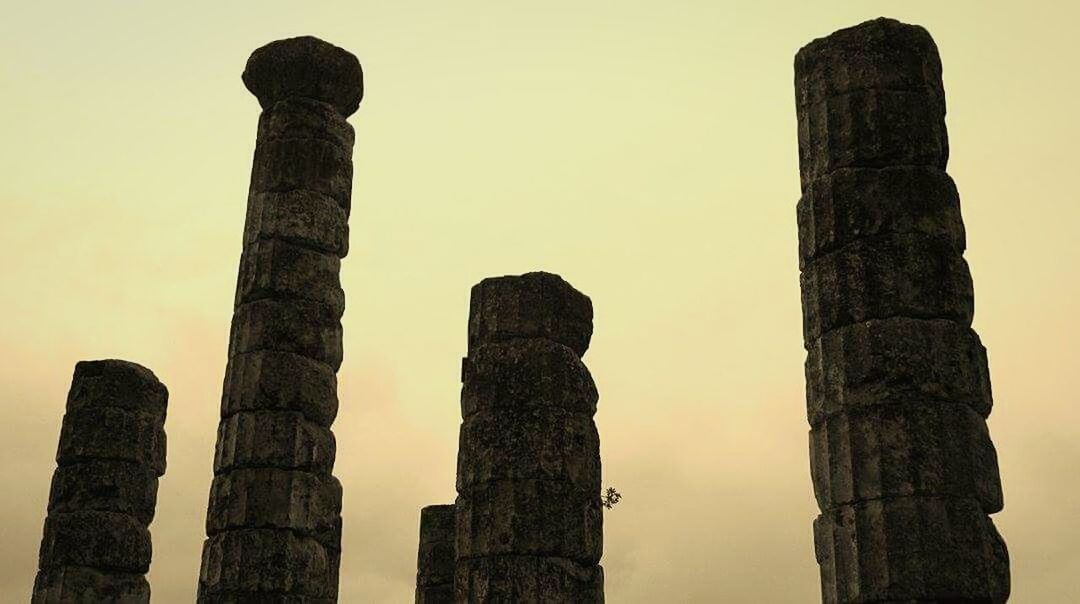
(529, 522)
(897, 384)
(435, 558)
(96, 543)
(274, 517)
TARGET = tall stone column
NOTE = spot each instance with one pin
(897, 383)
(529, 517)
(435, 559)
(96, 543)
(274, 520)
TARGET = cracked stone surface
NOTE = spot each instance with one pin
(897, 382)
(896, 361)
(528, 579)
(277, 439)
(533, 305)
(518, 374)
(851, 204)
(528, 516)
(274, 515)
(900, 450)
(926, 549)
(280, 381)
(435, 559)
(881, 278)
(96, 545)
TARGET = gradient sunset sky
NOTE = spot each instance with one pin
(645, 150)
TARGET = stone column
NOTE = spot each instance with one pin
(897, 383)
(529, 517)
(435, 558)
(274, 520)
(96, 544)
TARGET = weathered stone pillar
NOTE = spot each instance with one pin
(897, 382)
(96, 544)
(529, 517)
(274, 520)
(435, 558)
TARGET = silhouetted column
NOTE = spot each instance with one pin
(897, 382)
(435, 558)
(529, 517)
(274, 520)
(96, 544)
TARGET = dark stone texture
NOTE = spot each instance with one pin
(851, 204)
(896, 361)
(927, 449)
(308, 504)
(911, 549)
(533, 305)
(520, 374)
(884, 277)
(105, 541)
(543, 443)
(301, 118)
(305, 67)
(115, 383)
(306, 328)
(442, 593)
(239, 565)
(871, 128)
(435, 556)
(280, 381)
(81, 584)
(95, 544)
(897, 383)
(530, 517)
(93, 433)
(262, 597)
(274, 514)
(878, 54)
(501, 579)
(303, 164)
(285, 271)
(279, 439)
(304, 218)
(105, 486)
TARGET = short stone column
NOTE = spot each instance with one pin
(529, 514)
(435, 558)
(96, 543)
(897, 385)
(274, 519)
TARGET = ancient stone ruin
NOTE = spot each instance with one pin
(435, 559)
(897, 383)
(898, 388)
(529, 517)
(274, 519)
(96, 543)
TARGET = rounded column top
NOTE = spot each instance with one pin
(533, 305)
(120, 384)
(305, 67)
(881, 53)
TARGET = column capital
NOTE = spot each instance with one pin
(305, 67)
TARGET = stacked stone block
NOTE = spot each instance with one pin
(274, 519)
(898, 389)
(96, 543)
(435, 559)
(529, 515)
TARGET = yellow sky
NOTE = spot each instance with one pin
(645, 150)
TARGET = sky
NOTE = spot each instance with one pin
(645, 150)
